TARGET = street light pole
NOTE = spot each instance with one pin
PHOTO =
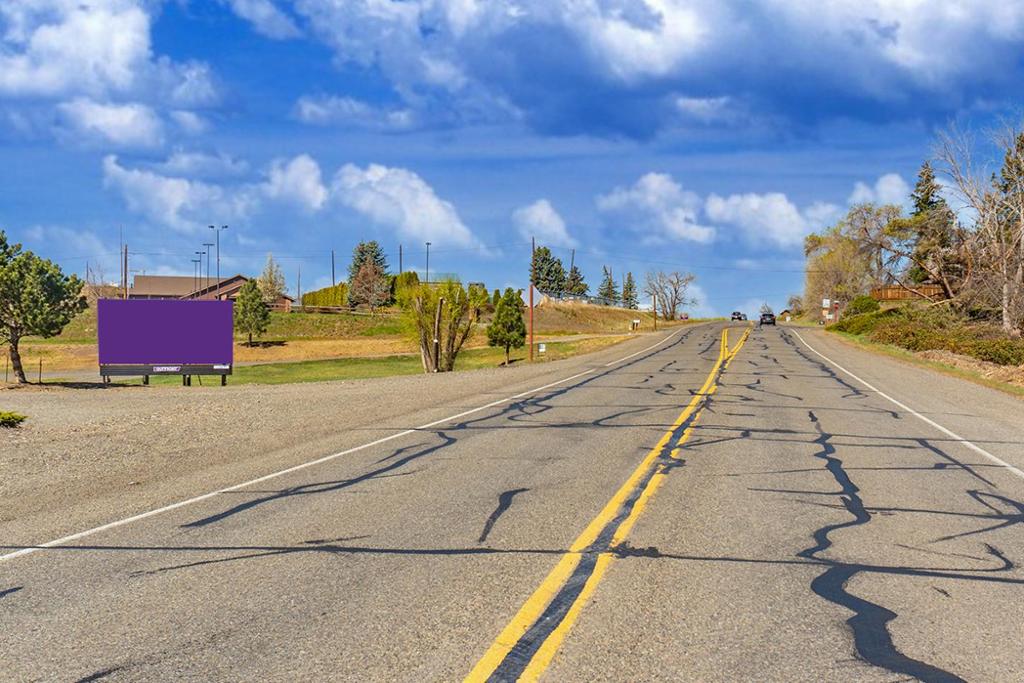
(216, 231)
(199, 277)
(428, 263)
(207, 245)
(196, 263)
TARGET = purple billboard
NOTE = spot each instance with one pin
(165, 336)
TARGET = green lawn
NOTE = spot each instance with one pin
(363, 368)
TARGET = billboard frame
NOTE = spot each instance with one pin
(175, 364)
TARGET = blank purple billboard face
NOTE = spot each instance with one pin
(157, 332)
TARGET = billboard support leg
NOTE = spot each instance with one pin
(223, 380)
(145, 380)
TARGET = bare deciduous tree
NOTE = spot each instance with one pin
(995, 242)
(671, 290)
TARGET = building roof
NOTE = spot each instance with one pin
(229, 287)
(164, 285)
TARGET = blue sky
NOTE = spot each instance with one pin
(703, 135)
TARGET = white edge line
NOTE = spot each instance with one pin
(311, 463)
(956, 437)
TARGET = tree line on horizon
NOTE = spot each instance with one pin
(668, 289)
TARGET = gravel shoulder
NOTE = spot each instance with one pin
(90, 456)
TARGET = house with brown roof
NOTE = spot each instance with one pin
(184, 287)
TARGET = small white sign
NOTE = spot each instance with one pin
(221, 367)
(166, 368)
(830, 316)
(826, 303)
(542, 348)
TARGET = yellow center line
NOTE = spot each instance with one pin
(535, 605)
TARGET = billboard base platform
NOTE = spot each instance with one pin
(186, 371)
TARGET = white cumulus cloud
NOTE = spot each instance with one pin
(123, 125)
(660, 206)
(298, 181)
(266, 17)
(346, 111)
(179, 203)
(889, 189)
(54, 46)
(542, 221)
(402, 200)
(769, 218)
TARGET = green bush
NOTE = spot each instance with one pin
(998, 351)
(11, 420)
(862, 304)
(863, 323)
(328, 296)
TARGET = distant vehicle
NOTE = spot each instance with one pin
(736, 315)
(767, 318)
(684, 316)
(743, 316)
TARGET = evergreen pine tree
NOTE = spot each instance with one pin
(574, 283)
(608, 291)
(547, 272)
(251, 314)
(931, 228)
(630, 299)
(367, 251)
(507, 329)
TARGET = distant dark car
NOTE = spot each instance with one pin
(767, 318)
(743, 316)
(736, 315)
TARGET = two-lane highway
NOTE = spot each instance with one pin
(729, 504)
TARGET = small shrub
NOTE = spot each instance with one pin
(862, 304)
(998, 351)
(11, 420)
(863, 323)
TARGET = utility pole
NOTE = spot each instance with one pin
(533, 249)
(428, 263)
(196, 269)
(400, 271)
(216, 231)
(333, 283)
(654, 309)
(437, 334)
(298, 285)
(206, 284)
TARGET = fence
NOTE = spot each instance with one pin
(897, 293)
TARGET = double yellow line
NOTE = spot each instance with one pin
(525, 648)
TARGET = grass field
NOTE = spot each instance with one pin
(323, 336)
(363, 368)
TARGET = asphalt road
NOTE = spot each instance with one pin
(699, 511)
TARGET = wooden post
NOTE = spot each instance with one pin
(40, 370)
(654, 308)
(533, 249)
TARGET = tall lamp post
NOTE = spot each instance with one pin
(199, 278)
(207, 245)
(428, 263)
(196, 264)
(217, 230)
